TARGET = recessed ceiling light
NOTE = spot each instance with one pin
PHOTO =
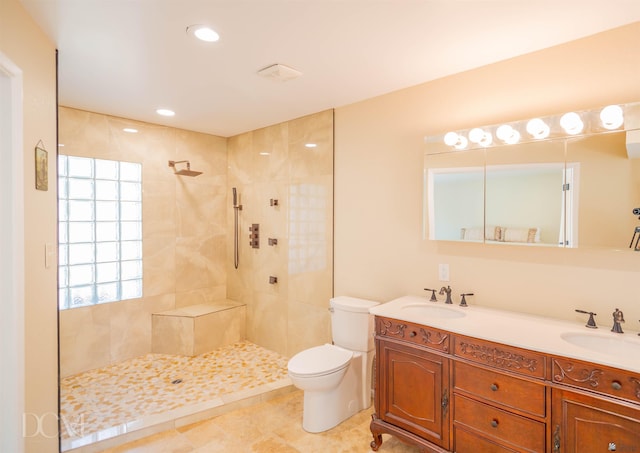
(130, 130)
(165, 112)
(203, 33)
(265, 153)
(310, 145)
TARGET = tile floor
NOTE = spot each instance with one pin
(157, 391)
(270, 426)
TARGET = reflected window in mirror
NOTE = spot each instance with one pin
(454, 196)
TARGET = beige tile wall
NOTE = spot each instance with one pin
(291, 315)
(184, 233)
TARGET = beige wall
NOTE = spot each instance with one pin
(291, 315)
(379, 251)
(26, 45)
(184, 233)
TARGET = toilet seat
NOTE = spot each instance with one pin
(319, 361)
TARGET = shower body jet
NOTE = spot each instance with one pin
(183, 172)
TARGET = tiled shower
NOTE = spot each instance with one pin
(284, 179)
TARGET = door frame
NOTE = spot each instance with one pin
(11, 256)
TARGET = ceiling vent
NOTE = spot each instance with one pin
(279, 72)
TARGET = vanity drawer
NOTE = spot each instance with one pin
(597, 378)
(466, 442)
(413, 333)
(508, 391)
(508, 429)
(501, 357)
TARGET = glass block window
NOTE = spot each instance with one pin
(100, 231)
(308, 207)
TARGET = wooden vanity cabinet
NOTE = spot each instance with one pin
(412, 385)
(587, 424)
(504, 411)
(595, 408)
(447, 392)
(500, 398)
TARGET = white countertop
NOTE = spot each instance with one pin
(522, 330)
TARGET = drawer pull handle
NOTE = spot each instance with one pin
(412, 333)
(615, 385)
(494, 387)
(494, 423)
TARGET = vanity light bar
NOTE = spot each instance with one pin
(610, 118)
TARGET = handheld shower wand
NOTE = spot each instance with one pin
(236, 208)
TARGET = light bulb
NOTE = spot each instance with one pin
(456, 140)
(450, 138)
(482, 138)
(476, 134)
(486, 140)
(462, 142)
(537, 128)
(508, 134)
(612, 117)
(165, 112)
(203, 33)
(571, 123)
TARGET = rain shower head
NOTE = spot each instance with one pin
(184, 172)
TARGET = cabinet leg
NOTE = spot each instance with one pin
(377, 437)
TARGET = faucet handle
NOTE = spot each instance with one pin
(433, 294)
(591, 323)
(463, 302)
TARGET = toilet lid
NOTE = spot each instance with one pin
(319, 360)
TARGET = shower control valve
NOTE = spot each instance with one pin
(254, 237)
(272, 241)
(273, 202)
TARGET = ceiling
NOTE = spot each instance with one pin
(129, 57)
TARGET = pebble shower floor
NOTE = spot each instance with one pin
(118, 395)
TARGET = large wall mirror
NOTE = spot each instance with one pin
(571, 191)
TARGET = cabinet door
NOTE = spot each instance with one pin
(413, 391)
(584, 424)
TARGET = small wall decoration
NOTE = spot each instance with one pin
(42, 167)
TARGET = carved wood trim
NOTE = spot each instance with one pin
(435, 338)
(498, 357)
(385, 328)
(583, 375)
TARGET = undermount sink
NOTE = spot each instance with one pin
(434, 311)
(613, 344)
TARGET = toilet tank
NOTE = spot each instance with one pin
(351, 323)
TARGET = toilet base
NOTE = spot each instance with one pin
(324, 410)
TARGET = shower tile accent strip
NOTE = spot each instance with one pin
(157, 388)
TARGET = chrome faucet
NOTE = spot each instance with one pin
(446, 291)
(618, 317)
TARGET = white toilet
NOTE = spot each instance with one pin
(336, 378)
